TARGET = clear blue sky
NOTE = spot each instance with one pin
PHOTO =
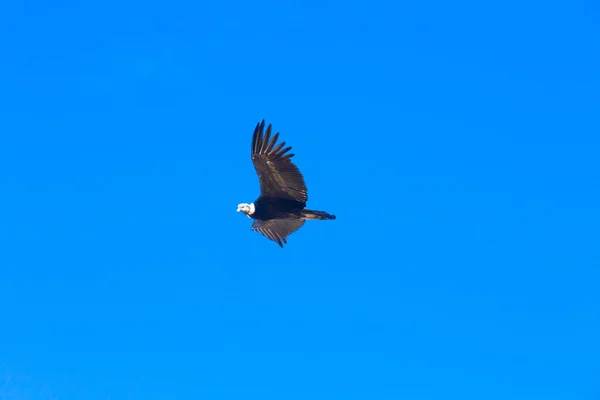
(457, 143)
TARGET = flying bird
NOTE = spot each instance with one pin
(280, 210)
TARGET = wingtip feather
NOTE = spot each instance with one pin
(256, 136)
(265, 139)
(272, 143)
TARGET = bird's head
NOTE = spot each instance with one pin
(246, 208)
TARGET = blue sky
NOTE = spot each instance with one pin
(457, 143)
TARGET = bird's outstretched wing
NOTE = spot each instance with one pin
(278, 176)
(277, 230)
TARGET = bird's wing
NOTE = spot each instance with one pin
(277, 230)
(278, 176)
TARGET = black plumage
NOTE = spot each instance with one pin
(280, 210)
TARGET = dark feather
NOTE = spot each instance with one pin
(277, 230)
(279, 177)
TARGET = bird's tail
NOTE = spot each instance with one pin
(317, 215)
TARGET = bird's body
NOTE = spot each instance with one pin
(273, 208)
(280, 210)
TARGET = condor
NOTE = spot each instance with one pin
(280, 210)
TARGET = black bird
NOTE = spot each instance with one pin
(280, 209)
